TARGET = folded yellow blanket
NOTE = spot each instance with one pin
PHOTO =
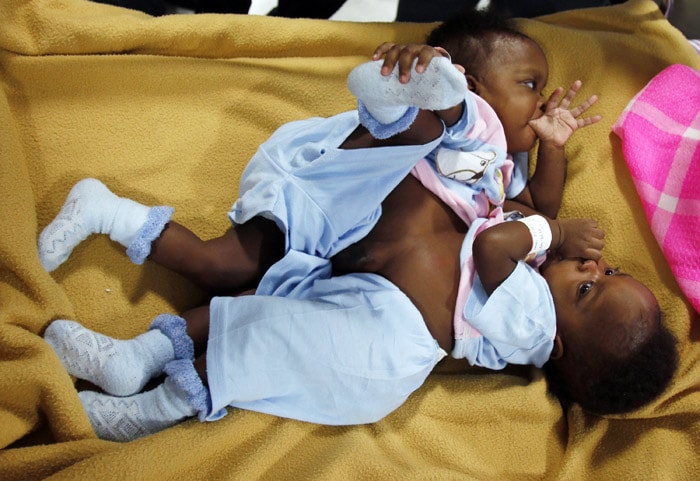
(167, 111)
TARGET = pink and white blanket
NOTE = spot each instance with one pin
(660, 132)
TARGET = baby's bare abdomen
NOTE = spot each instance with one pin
(415, 245)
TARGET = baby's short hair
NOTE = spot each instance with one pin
(616, 384)
(469, 36)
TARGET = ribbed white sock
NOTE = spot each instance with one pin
(439, 87)
(119, 367)
(90, 208)
(126, 419)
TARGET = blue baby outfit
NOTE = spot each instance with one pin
(331, 350)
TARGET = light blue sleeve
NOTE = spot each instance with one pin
(517, 322)
(456, 132)
(518, 180)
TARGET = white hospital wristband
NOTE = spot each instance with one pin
(539, 231)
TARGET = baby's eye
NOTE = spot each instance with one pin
(530, 84)
(610, 271)
(584, 288)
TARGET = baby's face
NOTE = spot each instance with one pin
(596, 302)
(512, 84)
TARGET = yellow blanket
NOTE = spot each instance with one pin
(167, 111)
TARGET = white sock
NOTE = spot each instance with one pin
(439, 87)
(90, 208)
(126, 419)
(118, 367)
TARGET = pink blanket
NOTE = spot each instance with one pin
(660, 132)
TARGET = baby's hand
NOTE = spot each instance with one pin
(558, 122)
(405, 55)
(580, 238)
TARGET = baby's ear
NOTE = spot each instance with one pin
(472, 83)
(558, 349)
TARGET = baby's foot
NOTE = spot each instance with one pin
(119, 367)
(79, 217)
(440, 86)
(126, 419)
(91, 208)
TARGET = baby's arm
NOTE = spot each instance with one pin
(498, 249)
(546, 187)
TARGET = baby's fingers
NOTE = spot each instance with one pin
(593, 246)
(586, 121)
(584, 106)
(596, 243)
(553, 100)
(404, 56)
(570, 94)
(382, 50)
(390, 52)
(424, 53)
(594, 254)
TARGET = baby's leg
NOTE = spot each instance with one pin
(182, 395)
(224, 265)
(230, 263)
(425, 128)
